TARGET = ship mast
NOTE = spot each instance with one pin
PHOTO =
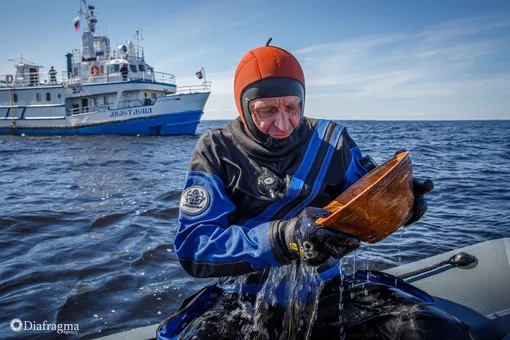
(139, 37)
(89, 16)
(88, 51)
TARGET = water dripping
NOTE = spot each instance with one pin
(267, 292)
(340, 303)
(403, 229)
(398, 254)
(354, 262)
(367, 252)
(319, 287)
(398, 248)
(305, 288)
(240, 283)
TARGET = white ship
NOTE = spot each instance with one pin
(104, 90)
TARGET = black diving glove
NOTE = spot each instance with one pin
(420, 188)
(300, 237)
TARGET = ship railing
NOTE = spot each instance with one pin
(69, 79)
(162, 77)
(205, 87)
(37, 79)
(32, 79)
(88, 109)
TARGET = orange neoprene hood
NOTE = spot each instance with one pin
(265, 63)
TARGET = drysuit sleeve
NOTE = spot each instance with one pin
(206, 245)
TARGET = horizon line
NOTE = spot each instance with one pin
(396, 120)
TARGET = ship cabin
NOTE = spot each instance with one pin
(97, 78)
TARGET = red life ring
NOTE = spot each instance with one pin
(9, 79)
(94, 70)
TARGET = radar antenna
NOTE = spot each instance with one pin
(22, 60)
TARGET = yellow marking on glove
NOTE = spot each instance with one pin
(293, 246)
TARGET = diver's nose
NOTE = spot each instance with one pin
(282, 120)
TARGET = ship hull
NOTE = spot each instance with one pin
(170, 115)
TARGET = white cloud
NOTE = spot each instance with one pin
(432, 62)
(464, 27)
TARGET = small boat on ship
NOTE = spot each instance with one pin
(104, 90)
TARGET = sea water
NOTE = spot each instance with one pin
(73, 245)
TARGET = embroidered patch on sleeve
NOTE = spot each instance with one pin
(194, 200)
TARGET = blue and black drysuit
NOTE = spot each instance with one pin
(226, 217)
(231, 234)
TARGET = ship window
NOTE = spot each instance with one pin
(59, 96)
(15, 97)
(145, 94)
(38, 96)
(48, 96)
(141, 67)
(102, 69)
(105, 99)
(132, 67)
(75, 72)
(153, 95)
(115, 68)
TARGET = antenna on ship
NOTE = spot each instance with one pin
(21, 60)
(139, 37)
(88, 51)
(89, 16)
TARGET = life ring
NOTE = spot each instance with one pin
(9, 79)
(94, 70)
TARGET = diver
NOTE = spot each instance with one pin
(248, 206)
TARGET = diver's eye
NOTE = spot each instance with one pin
(292, 109)
(267, 111)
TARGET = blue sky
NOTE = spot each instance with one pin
(362, 60)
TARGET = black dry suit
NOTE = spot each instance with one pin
(236, 188)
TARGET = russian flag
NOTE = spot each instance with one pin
(76, 23)
(99, 53)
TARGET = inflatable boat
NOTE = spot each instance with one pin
(470, 283)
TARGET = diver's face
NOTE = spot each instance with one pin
(276, 117)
